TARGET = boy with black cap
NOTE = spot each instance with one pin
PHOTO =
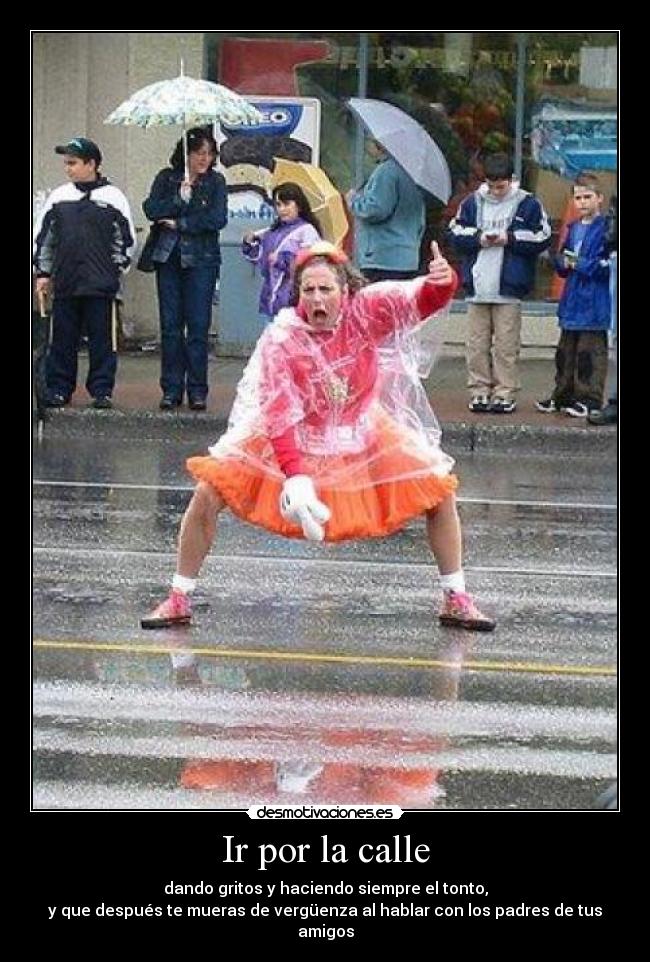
(83, 243)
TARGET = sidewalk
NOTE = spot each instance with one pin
(137, 394)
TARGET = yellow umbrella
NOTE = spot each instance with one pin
(324, 199)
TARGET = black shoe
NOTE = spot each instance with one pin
(102, 403)
(56, 401)
(168, 403)
(577, 409)
(197, 404)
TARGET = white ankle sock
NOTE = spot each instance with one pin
(453, 582)
(186, 585)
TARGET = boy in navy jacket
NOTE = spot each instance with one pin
(584, 311)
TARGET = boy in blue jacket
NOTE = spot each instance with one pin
(584, 311)
(499, 230)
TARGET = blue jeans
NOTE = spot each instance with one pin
(70, 316)
(185, 305)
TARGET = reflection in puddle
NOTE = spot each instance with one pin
(338, 756)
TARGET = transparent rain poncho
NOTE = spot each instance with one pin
(351, 395)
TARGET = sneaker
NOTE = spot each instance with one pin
(197, 404)
(480, 404)
(576, 409)
(459, 611)
(102, 403)
(174, 610)
(168, 403)
(501, 405)
(546, 407)
(606, 415)
(56, 401)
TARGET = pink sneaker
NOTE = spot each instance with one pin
(459, 611)
(174, 610)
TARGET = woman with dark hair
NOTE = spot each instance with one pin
(275, 248)
(331, 436)
(183, 249)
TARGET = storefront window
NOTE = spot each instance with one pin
(299, 64)
(318, 69)
(555, 112)
(571, 125)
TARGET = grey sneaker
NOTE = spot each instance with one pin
(501, 405)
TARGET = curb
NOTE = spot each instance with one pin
(533, 439)
(524, 439)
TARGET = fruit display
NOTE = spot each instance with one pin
(484, 125)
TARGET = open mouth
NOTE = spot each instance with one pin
(319, 316)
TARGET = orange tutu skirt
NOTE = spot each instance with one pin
(337, 782)
(365, 507)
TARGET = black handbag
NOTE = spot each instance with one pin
(145, 261)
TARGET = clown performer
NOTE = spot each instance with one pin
(331, 436)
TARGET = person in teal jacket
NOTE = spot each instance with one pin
(390, 216)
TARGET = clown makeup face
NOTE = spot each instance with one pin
(321, 296)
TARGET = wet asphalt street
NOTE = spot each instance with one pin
(319, 673)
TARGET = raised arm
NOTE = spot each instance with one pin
(397, 305)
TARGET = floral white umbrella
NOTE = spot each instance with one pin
(186, 102)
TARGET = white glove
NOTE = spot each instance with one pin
(185, 190)
(295, 776)
(299, 504)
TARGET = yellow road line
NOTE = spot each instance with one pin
(303, 656)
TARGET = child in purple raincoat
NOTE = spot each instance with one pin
(275, 248)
